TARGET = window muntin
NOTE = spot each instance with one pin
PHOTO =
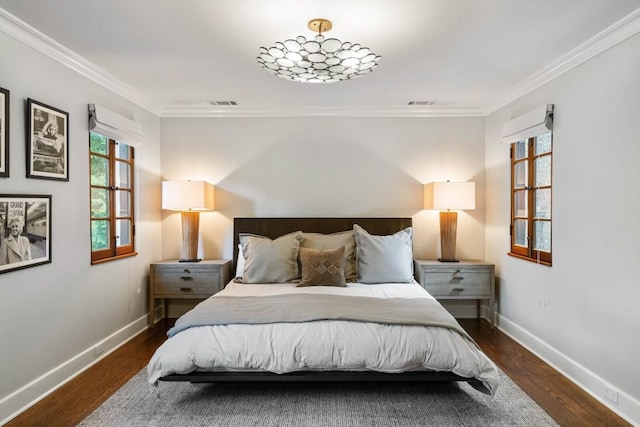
(531, 161)
(112, 197)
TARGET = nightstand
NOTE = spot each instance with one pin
(459, 280)
(185, 280)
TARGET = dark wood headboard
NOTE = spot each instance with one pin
(276, 227)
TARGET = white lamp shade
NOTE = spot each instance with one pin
(187, 196)
(450, 196)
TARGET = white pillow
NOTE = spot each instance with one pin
(384, 259)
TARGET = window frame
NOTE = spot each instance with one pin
(114, 251)
(530, 253)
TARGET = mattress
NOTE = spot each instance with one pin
(323, 345)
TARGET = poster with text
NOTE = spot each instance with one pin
(47, 142)
(25, 231)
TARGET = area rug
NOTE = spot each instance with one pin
(316, 404)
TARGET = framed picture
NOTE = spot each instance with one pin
(47, 142)
(4, 132)
(25, 231)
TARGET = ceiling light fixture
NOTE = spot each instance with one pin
(320, 60)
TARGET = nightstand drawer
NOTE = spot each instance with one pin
(186, 282)
(457, 282)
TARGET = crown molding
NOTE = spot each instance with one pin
(28, 35)
(211, 111)
(604, 40)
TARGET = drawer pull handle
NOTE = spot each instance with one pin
(457, 278)
(186, 270)
(186, 278)
(458, 289)
(185, 289)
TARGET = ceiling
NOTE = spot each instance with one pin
(175, 57)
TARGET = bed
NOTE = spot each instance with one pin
(321, 299)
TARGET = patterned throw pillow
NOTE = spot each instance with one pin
(322, 268)
(324, 242)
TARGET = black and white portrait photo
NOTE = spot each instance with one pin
(25, 231)
(47, 142)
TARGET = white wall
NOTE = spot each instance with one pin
(323, 167)
(52, 315)
(580, 314)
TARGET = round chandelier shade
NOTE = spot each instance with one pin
(317, 60)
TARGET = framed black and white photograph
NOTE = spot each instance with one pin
(25, 231)
(4, 133)
(47, 142)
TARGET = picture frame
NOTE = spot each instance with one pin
(25, 231)
(4, 132)
(47, 142)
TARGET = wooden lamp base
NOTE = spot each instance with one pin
(190, 230)
(448, 229)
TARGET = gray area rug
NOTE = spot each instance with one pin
(316, 404)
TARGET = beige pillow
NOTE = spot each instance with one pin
(324, 242)
(322, 268)
(270, 261)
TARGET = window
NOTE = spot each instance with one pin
(531, 198)
(112, 197)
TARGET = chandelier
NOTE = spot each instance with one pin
(319, 60)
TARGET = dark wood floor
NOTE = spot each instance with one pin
(565, 402)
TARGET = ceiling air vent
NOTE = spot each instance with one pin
(421, 103)
(223, 103)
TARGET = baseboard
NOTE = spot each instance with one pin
(31, 393)
(628, 407)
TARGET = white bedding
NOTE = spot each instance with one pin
(322, 345)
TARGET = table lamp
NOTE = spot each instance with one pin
(189, 198)
(447, 197)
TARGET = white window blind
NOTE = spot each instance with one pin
(528, 125)
(115, 126)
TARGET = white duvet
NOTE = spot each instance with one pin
(322, 345)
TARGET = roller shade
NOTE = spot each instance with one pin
(107, 123)
(533, 123)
